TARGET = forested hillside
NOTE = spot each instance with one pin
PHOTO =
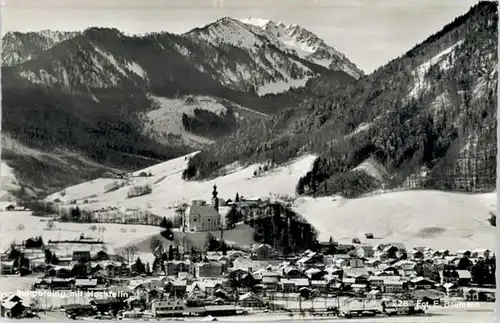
(426, 119)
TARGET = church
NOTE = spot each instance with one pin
(202, 216)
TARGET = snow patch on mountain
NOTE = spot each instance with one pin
(164, 122)
(137, 69)
(110, 59)
(42, 77)
(442, 60)
(281, 86)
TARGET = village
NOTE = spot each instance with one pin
(359, 277)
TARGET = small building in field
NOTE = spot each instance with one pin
(12, 307)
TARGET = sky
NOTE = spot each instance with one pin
(369, 32)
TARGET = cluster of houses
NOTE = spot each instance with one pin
(230, 283)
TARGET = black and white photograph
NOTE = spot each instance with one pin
(249, 161)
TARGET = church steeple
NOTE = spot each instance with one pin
(215, 199)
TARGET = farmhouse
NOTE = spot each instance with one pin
(12, 307)
(263, 251)
(208, 269)
(365, 251)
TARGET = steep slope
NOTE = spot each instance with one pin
(307, 45)
(20, 47)
(446, 220)
(415, 135)
(250, 59)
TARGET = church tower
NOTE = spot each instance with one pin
(215, 199)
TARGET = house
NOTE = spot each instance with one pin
(270, 283)
(85, 284)
(359, 288)
(176, 287)
(60, 283)
(312, 260)
(7, 268)
(113, 269)
(422, 283)
(107, 305)
(348, 281)
(81, 256)
(166, 308)
(464, 278)
(10, 207)
(101, 256)
(481, 253)
(343, 248)
(208, 269)
(373, 263)
(406, 267)
(154, 294)
(391, 251)
(428, 297)
(391, 270)
(12, 309)
(250, 300)
(315, 273)
(292, 273)
(263, 251)
(376, 282)
(365, 251)
(292, 285)
(450, 289)
(320, 285)
(416, 254)
(464, 253)
(174, 267)
(202, 217)
(203, 288)
(394, 286)
(441, 253)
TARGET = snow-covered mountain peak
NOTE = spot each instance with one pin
(232, 31)
(306, 44)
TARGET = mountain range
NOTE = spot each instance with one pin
(245, 91)
(76, 104)
(427, 119)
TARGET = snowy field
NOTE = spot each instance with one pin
(417, 218)
(170, 190)
(18, 226)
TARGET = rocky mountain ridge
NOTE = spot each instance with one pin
(126, 102)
